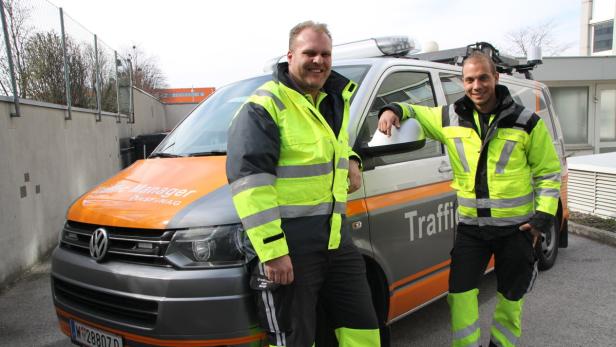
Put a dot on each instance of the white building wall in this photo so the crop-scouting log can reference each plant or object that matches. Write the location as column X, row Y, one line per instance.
column 48, row 162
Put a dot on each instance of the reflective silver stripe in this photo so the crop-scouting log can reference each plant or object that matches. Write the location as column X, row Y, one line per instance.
column 495, row 203
column 270, row 311
column 503, row 221
column 508, row 334
column 454, row 119
column 465, row 332
column 340, row 207
column 410, row 109
column 343, row 163
column 296, row 171
column 551, row 192
column 504, row 157
column 523, row 119
column 461, row 154
column 548, row 177
column 277, row 101
column 252, row 181
column 261, row 218
column 295, row 211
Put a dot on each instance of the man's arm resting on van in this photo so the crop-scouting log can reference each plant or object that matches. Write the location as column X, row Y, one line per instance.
column 545, row 167
column 430, row 118
column 253, row 150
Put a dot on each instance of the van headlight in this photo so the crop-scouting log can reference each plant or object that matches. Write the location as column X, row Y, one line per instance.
column 206, row 247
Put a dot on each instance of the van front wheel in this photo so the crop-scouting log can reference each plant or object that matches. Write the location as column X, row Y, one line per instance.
column 547, row 249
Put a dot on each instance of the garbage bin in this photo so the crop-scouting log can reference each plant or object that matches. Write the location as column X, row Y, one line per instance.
column 143, row 145
column 127, row 152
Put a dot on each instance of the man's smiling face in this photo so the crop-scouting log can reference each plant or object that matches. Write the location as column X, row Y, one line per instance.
column 310, row 60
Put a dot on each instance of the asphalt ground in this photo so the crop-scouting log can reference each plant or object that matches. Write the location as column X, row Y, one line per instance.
column 573, row 304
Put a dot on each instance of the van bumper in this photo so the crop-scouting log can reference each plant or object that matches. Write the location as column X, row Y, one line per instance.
column 155, row 306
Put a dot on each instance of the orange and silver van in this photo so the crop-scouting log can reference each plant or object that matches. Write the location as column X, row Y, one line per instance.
column 154, row 256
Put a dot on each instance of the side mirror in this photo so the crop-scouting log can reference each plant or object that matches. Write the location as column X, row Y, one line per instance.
column 409, row 137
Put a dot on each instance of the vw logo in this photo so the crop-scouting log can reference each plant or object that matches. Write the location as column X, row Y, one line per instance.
column 99, row 241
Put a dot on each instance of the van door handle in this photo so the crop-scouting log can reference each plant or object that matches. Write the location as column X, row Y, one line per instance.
column 444, row 169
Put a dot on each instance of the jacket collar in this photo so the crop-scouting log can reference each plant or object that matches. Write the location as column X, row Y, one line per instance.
column 504, row 104
column 334, row 84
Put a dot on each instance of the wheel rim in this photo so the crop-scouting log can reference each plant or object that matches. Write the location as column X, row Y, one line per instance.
column 548, row 242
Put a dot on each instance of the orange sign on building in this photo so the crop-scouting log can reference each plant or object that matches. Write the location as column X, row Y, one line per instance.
column 184, row 95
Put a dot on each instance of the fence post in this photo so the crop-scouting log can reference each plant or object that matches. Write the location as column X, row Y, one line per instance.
column 117, row 83
column 131, row 111
column 9, row 56
column 67, row 81
column 98, row 81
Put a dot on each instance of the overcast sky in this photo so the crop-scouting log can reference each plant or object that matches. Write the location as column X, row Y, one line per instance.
column 212, row 43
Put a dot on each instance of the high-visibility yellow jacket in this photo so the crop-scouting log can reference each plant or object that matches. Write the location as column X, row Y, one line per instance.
column 502, row 177
column 287, row 167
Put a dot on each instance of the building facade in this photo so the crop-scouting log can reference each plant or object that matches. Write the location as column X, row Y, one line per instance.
column 597, row 27
column 583, row 91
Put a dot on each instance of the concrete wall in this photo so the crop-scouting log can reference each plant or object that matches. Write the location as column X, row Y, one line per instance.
column 47, row 162
column 175, row 113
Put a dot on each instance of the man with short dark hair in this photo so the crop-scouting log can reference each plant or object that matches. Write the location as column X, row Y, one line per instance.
column 507, row 177
column 290, row 167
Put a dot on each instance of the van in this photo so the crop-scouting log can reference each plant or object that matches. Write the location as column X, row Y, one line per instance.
column 153, row 256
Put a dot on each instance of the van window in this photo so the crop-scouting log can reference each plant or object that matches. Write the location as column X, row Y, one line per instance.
column 534, row 100
column 404, row 86
column 204, row 131
column 453, row 87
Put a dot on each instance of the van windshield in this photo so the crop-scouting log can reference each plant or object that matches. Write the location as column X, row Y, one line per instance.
column 204, row 131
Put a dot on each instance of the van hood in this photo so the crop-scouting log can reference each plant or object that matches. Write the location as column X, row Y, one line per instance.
column 161, row 193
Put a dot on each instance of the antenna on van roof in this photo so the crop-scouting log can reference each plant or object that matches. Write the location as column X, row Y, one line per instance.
column 504, row 63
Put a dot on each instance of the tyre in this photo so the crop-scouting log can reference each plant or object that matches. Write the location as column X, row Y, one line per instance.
column 547, row 249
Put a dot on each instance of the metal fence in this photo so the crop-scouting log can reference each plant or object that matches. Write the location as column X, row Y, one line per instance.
column 48, row 56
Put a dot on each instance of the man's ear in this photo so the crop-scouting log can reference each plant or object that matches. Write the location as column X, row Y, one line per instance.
column 289, row 56
column 496, row 76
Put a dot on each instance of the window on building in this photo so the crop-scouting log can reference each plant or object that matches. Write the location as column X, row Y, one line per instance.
column 603, row 36
column 607, row 114
column 571, row 105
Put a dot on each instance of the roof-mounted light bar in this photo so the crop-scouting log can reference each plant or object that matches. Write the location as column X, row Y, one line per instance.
column 395, row 46
column 374, row 47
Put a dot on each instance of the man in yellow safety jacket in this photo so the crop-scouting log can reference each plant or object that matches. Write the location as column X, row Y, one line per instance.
column 290, row 166
column 507, row 178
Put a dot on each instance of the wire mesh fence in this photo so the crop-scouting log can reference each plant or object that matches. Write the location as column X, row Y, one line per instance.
column 46, row 55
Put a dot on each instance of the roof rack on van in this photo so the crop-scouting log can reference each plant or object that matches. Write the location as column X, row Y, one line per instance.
column 504, row 64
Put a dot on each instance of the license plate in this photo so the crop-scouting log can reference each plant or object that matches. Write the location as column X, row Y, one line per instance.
column 93, row 337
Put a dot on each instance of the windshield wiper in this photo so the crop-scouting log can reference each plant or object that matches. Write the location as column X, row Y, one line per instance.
column 205, row 154
column 164, row 155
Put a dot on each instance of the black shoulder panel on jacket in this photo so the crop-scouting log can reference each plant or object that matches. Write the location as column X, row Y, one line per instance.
column 253, row 144
column 512, row 121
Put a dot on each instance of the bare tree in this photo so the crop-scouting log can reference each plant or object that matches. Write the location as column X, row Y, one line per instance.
column 17, row 15
column 147, row 75
column 519, row 42
column 44, row 65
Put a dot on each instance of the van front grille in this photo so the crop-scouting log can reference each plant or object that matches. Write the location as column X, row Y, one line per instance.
column 129, row 310
column 142, row 246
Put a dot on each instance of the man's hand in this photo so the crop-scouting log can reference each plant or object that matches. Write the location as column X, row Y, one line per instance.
column 279, row 270
column 387, row 119
column 354, row 176
column 533, row 231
